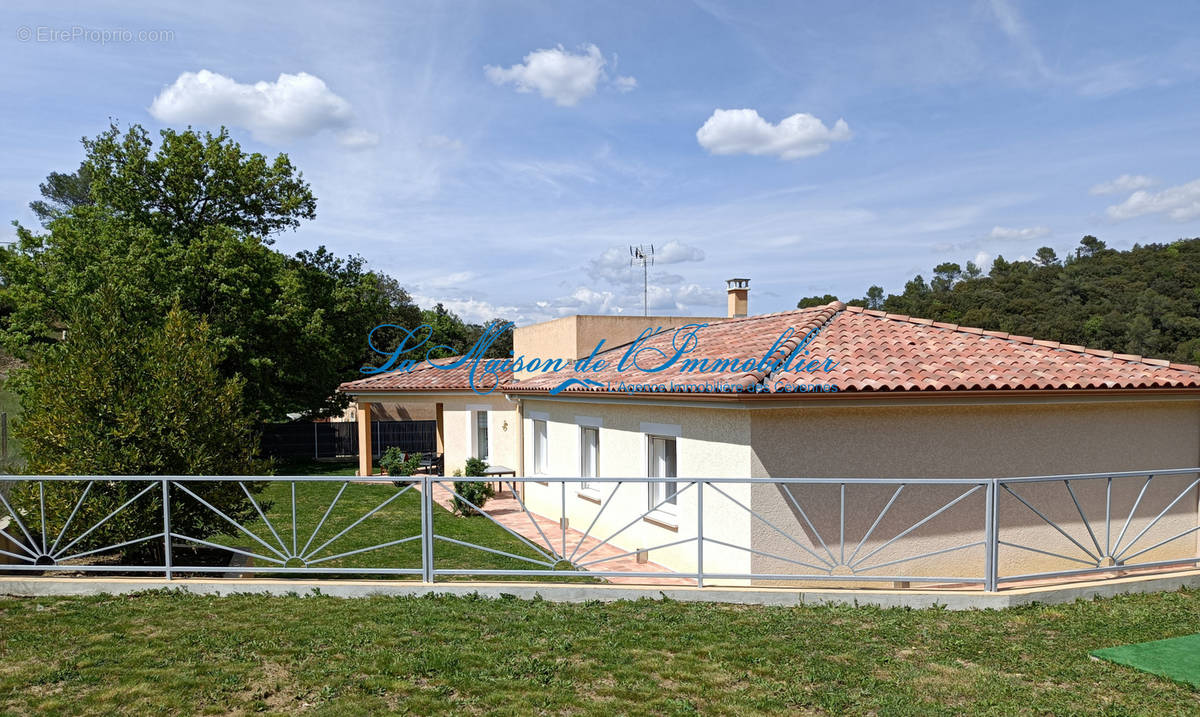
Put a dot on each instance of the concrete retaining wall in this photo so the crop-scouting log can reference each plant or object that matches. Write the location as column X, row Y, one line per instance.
column 566, row 592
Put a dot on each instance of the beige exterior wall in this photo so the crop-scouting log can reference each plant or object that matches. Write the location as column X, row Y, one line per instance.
column 574, row 337
column 972, row 441
column 459, row 415
column 709, row 443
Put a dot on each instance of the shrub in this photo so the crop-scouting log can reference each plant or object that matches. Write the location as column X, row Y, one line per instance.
column 398, row 463
column 123, row 398
column 475, row 491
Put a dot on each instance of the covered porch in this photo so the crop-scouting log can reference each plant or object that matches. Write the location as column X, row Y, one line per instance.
column 371, row 416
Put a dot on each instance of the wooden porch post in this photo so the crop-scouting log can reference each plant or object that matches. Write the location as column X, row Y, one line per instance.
column 365, row 468
column 440, row 430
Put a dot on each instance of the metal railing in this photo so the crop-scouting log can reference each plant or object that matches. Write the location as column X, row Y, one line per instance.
column 982, row 533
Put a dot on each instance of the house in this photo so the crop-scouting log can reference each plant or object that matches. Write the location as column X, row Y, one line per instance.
column 825, row 392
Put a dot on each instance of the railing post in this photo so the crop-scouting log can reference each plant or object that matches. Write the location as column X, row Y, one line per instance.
column 699, row 533
column 991, row 540
column 427, row 528
column 166, row 501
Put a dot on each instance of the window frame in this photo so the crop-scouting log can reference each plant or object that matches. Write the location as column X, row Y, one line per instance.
column 666, row 514
column 589, row 490
column 541, row 447
column 473, row 411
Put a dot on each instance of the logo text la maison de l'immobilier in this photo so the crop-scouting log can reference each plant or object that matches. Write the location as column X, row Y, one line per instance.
column 638, row 358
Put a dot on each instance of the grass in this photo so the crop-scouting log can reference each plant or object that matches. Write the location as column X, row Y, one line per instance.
column 315, row 468
column 183, row 654
column 397, row 520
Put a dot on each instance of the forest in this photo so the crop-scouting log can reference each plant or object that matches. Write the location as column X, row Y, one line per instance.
column 1144, row 300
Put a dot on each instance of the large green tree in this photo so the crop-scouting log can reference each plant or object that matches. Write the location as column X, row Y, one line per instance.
column 192, row 182
column 190, row 223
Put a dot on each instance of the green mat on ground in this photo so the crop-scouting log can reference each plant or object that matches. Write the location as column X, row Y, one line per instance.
column 1177, row 658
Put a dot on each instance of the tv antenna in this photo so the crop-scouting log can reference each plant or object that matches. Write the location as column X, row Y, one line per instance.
column 643, row 255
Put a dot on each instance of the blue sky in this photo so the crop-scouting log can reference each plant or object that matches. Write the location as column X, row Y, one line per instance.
column 501, row 157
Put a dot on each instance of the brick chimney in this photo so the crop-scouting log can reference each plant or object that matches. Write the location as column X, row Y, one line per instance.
column 739, row 297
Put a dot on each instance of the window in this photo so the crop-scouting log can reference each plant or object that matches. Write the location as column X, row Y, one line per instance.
column 589, row 455
column 661, row 459
column 481, row 435
column 539, row 447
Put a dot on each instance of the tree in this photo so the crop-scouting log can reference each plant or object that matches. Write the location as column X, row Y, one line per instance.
column 1045, row 256
column 450, row 330
column 1089, row 246
column 812, row 301
column 1140, row 301
column 293, row 327
column 945, row 275
column 875, row 297
column 117, row 398
column 194, row 182
column 62, row 192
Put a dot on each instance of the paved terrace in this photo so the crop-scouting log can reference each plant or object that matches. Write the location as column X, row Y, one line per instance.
column 507, row 511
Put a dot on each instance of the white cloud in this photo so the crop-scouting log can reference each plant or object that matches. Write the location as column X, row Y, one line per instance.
column 291, row 107
column 1123, row 183
column 1010, row 233
column 559, row 75
column 675, row 252
column 357, row 138
column 617, row 285
column 1180, row 203
column 614, row 264
column 442, row 142
column 684, row 299
column 1013, row 25
column 589, row 301
column 983, row 260
column 444, row 281
column 471, row 310
column 745, row 132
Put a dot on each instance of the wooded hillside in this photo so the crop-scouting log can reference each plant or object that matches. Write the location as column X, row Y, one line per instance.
column 1145, row 300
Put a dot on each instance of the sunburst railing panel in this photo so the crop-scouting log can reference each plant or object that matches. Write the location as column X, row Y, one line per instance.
column 956, row 533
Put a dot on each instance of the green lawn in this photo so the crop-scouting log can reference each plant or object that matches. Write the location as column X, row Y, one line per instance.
column 171, row 653
column 399, row 519
column 316, row 468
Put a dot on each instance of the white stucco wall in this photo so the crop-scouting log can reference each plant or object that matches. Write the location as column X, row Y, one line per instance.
column 459, row 436
column 709, row 443
column 883, row 440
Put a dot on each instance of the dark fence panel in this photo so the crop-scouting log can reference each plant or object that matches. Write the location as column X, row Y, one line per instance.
column 339, row 439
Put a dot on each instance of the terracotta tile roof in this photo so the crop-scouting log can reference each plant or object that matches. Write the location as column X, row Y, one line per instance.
column 735, row 339
column 427, row 378
column 887, row 352
column 872, row 351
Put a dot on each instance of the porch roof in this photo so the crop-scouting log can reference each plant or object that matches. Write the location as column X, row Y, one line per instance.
column 428, row 379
